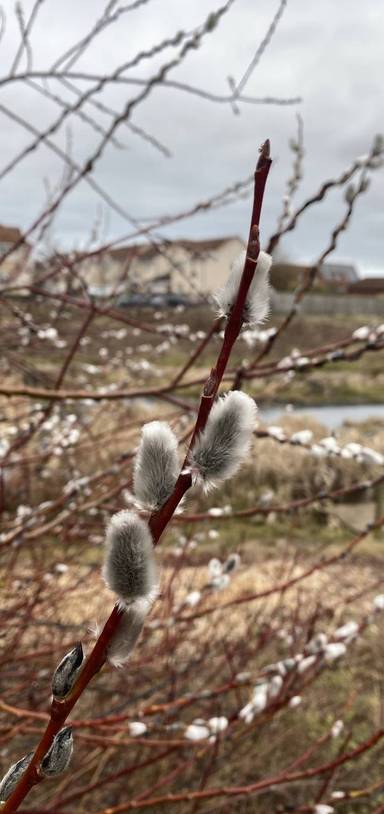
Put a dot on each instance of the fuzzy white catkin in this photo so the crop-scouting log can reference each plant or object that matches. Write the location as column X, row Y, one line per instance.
column 129, row 568
column 156, row 465
column 317, row 643
column 334, row 651
column 12, row 777
column 196, row 732
column 218, row 724
column 274, row 686
column 257, row 703
column 302, row 437
column 224, row 444
column 347, row 632
column 137, row 728
column 122, row 643
column 305, row 664
column 378, row 602
column 215, row 567
column 192, row 599
column 337, row 729
column 257, row 303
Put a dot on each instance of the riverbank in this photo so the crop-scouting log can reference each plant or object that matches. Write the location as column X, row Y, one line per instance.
column 331, row 416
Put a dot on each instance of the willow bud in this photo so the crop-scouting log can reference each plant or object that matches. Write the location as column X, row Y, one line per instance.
column 67, row 671
column 13, row 775
column 59, row 755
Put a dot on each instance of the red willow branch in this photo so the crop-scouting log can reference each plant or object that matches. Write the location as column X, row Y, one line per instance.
column 315, row 358
column 253, row 788
column 158, row 522
column 319, row 498
column 340, row 227
column 285, row 508
column 239, row 86
column 155, row 80
column 59, row 380
column 326, row 187
column 126, row 772
column 215, row 328
column 223, row 198
column 321, row 565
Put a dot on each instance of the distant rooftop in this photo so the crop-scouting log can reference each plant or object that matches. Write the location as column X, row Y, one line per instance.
column 339, row 272
column 9, row 234
column 368, row 285
column 372, row 272
column 147, row 251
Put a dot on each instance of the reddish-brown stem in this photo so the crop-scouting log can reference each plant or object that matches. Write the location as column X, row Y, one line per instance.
column 158, row 521
column 253, row 788
column 215, row 327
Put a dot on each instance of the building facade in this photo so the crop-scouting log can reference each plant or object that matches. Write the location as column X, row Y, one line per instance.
column 14, row 268
column 194, row 269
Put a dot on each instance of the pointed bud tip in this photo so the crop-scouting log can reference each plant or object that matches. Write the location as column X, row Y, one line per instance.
column 66, row 672
column 66, row 732
column 265, row 149
column 264, row 159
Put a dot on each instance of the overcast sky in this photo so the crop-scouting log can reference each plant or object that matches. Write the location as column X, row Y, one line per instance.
column 330, row 53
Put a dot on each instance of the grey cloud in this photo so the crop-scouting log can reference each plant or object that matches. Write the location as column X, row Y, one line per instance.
column 329, row 53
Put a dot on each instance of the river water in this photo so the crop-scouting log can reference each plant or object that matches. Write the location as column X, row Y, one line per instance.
column 331, row 416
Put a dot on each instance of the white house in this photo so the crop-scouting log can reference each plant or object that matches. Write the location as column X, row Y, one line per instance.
column 194, row 268
column 14, row 269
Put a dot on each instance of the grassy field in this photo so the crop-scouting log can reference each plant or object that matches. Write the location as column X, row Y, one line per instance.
column 273, row 546
column 115, row 358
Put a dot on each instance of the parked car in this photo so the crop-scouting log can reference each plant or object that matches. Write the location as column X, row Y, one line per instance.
column 152, row 300
column 133, row 300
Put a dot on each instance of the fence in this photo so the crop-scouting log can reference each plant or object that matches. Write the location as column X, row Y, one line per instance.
column 320, row 304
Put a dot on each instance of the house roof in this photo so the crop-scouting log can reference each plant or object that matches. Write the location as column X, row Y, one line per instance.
column 146, row 251
column 367, row 285
column 9, row 234
column 339, row 272
column 204, row 245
